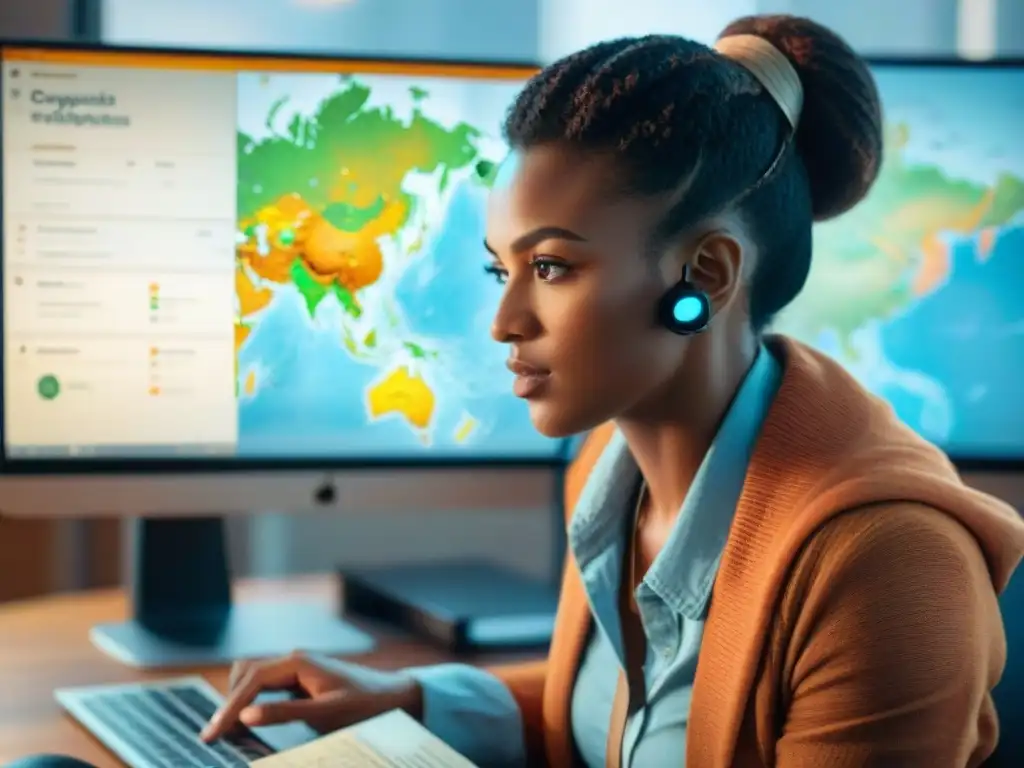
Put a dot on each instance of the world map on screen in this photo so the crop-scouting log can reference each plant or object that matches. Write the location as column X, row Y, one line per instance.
column 363, row 311
column 362, row 304
column 919, row 290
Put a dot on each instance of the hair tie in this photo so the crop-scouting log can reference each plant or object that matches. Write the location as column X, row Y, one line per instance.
column 772, row 69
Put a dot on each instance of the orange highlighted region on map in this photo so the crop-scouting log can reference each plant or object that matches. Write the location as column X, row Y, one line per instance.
column 938, row 218
column 935, row 265
column 402, row 393
column 273, row 238
column 251, row 299
column 289, row 235
column 986, row 242
column 242, row 332
column 353, row 259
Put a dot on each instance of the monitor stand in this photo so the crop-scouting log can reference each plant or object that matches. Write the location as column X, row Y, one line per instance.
column 183, row 615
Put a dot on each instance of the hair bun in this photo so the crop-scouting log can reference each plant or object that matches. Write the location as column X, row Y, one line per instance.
column 839, row 136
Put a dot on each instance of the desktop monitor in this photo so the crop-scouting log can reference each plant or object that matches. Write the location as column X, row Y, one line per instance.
column 222, row 264
column 251, row 283
column 919, row 290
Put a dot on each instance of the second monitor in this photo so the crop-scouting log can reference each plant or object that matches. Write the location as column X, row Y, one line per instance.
column 232, row 283
column 239, row 258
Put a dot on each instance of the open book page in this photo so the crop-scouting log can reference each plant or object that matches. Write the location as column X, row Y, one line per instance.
column 391, row 740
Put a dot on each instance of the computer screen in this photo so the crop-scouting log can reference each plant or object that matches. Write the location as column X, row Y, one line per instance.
column 229, row 258
column 239, row 257
column 919, row 290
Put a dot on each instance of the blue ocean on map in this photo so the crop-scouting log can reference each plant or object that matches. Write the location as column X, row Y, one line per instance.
column 950, row 363
column 967, row 338
column 949, row 357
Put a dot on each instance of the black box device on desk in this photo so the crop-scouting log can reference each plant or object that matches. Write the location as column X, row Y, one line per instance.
column 464, row 605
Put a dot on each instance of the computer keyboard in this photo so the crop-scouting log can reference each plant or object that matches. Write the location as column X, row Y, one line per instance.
column 157, row 725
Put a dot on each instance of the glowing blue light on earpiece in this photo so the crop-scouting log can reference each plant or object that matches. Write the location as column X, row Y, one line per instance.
column 688, row 309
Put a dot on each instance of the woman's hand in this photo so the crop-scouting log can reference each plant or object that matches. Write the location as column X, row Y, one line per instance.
column 332, row 694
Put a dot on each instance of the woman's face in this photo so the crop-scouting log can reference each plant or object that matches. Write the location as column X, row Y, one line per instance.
column 580, row 291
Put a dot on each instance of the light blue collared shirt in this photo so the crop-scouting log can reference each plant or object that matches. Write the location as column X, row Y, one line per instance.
column 475, row 713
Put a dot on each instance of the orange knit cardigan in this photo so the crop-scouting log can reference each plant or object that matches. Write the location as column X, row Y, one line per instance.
column 854, row 620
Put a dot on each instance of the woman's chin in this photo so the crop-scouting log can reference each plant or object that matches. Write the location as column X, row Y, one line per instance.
column 556, row 422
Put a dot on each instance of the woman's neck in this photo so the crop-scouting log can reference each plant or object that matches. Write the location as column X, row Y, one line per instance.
column 670, row 434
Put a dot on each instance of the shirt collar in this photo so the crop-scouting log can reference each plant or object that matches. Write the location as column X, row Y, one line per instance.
column 683, row 573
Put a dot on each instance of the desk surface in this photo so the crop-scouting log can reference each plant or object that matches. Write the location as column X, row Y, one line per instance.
column 44, row 644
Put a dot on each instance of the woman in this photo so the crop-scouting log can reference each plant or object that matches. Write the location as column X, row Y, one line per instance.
column 767, row 568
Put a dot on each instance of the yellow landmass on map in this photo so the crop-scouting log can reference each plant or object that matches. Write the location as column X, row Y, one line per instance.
column 466, row 427
column 242, row 332
column 251, row 299
column 402, row 393
column 417, row 245
column 249, row 387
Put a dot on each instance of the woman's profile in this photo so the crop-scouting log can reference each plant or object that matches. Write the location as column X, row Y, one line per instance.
column 766, row 567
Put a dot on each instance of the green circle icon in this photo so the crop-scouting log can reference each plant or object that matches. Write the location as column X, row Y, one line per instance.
column 48, row 387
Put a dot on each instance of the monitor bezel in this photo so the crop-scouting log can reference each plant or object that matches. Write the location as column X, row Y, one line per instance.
column 944, row 62
column 201, row 465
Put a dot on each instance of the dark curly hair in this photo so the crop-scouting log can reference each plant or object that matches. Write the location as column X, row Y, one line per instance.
column 675, row 112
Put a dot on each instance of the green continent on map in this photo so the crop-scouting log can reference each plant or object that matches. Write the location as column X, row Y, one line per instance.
column 889, row 251
column 486, row 172
column 316, row 201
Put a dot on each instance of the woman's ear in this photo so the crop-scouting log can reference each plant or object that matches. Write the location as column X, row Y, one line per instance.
column 716, row 267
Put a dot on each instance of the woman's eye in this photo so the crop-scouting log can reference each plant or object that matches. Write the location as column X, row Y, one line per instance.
column 498, row 273
column 548, row 270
